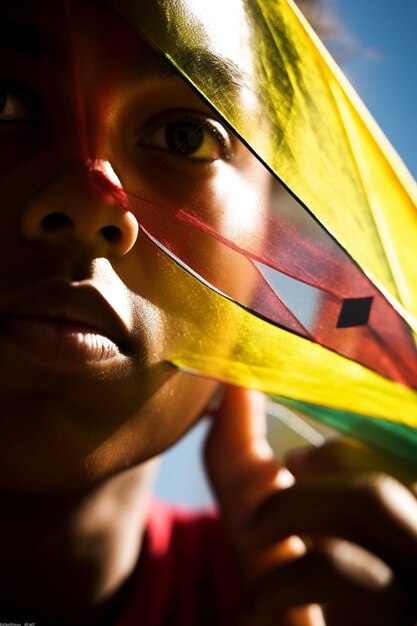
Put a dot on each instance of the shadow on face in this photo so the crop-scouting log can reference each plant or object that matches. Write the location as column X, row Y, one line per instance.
column 106, row 154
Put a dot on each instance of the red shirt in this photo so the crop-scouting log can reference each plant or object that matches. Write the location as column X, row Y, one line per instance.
column 186, row 574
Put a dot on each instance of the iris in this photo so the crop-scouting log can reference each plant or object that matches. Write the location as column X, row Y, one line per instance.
column 183, row 137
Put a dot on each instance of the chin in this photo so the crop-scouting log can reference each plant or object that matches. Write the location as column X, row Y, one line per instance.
column 51, row 447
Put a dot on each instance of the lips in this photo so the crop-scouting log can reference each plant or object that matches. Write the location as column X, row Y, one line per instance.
column 65, row 326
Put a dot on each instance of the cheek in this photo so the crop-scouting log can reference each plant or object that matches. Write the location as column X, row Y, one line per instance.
column 16, row 148
column 233, row 222
column 24, row 168
column 208, row 228
column 242, row 198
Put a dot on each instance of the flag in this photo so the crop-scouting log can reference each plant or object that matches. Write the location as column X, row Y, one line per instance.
column 310, row 294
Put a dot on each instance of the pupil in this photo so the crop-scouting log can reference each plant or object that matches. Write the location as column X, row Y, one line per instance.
column 184, row 137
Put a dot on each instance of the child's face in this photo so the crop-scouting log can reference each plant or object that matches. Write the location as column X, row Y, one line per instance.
column 85, row 386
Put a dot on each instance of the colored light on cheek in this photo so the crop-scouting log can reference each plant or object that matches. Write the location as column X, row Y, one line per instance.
column 104, row 181
column 105, row 168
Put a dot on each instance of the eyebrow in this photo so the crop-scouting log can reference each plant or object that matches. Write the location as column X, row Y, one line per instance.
column 219, row 73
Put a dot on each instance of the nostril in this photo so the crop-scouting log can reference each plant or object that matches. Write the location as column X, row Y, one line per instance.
column 56, row 221
column 112, row 234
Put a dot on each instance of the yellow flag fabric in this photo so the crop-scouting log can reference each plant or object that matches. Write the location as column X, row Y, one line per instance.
column 263, row 70
column 239, row 348
column 318, row 139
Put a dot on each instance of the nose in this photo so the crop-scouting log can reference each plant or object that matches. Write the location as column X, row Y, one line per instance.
column 83, row 205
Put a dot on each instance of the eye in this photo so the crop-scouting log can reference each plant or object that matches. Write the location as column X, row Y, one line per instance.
column 12, row 109
column 189, row 135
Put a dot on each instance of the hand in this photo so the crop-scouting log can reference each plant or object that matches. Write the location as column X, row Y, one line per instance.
column 373, row 561
column 243, row 472
column 361, row 528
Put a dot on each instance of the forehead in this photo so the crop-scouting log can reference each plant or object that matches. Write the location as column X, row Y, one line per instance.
column 61, row 32
column 213, row 44
column 224, row 27
column 105, row 41
column 187, row 23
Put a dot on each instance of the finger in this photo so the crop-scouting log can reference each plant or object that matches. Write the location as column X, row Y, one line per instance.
column 310, row 615
column 374, row 511
column 243, row 471
column 344, row 577
column 240, row 463
column 344, row 455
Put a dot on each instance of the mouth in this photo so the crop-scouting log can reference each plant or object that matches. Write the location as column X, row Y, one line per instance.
column 65, row 327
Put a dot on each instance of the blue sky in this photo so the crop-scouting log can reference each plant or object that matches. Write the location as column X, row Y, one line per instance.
column 384, row 68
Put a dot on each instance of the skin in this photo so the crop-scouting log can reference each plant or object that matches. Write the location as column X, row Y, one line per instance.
column 52, row 162
column 78, row 437
column 358, row 524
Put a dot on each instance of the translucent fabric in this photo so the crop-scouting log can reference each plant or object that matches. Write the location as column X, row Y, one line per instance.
column 282, row 93
column 330, row 318
column 300, row 281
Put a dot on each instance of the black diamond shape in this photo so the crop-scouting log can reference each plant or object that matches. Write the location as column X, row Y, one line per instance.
column 354, row 312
